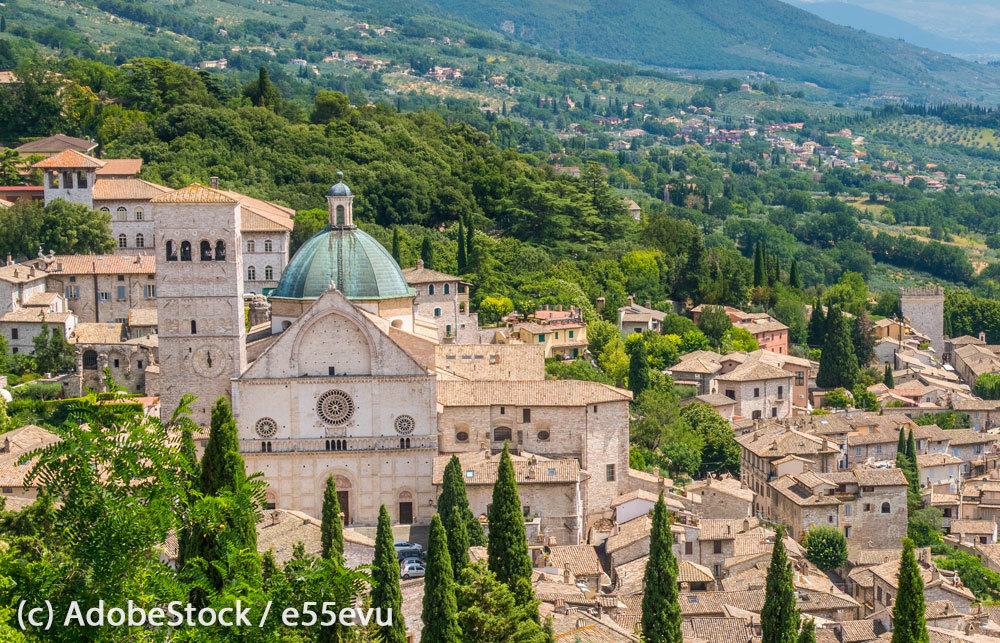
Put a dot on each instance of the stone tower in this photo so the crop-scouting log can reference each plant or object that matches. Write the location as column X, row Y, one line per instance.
column 924, row 307
column 199, row 297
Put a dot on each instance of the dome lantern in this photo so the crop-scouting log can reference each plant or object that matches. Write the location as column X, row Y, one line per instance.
column 340, row 204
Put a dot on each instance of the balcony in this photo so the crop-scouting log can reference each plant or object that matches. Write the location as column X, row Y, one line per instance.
column 337, row 445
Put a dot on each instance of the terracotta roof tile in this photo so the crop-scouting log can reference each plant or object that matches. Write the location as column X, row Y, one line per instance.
column 195, row 193
column 15, row 444
column 528, row 393
column 528, row 469
column 580, row 560
column 98, row 333
column 19, row 274
column 69, row 159
column 35, row 315
column 57, row 142
column 142, row 317
column 102, row 265
column 417, row 275
column 120, row 167
column 126, row 189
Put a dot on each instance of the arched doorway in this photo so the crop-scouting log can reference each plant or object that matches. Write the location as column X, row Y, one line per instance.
column 344, row 497
column 405, row 508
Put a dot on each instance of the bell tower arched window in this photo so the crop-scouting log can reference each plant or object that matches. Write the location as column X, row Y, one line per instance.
column 194, row 327
column 171, row 251
column 206, row 250
column 340, row 215
column 185, row 251
column 220, row 250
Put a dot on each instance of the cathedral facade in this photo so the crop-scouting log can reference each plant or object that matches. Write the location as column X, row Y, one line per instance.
column 353, row 383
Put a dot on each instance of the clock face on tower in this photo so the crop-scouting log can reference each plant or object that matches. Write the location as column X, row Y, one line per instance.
column 209, row 360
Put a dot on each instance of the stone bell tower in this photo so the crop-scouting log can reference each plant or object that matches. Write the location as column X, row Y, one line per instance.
column 199, row 297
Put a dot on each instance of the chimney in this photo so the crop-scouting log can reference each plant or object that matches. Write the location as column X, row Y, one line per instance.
column 567, row 577
column 649, row 304
column 600, row 304
column 631, row 299
column 58, row 266
column 31, row 271
column 215, row 182
column 420, row 263
column 982, row 334
column 9, row 261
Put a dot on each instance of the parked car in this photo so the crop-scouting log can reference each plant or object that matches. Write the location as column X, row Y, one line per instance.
column 403, row 554
column 412, row 570
column 412, row 560
column 406, row 544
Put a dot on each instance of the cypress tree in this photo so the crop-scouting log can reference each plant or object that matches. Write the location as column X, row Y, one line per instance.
column 395, row 247
column 189, row 452
column 427, row 253
column 808, row 632
column 887, row 377
column 794, row 281
column 914, row 477
column 661, row 610
column 901, row 445
column 863, row 338
column 638, row 369
column 838, row 364
column 386, row 594
column 440, row 609
column 222, row 438
column 458, row 543
column 331, row 535
column 452, row 498
column 3, row 24
column 908, row 613
column 507, row 545
column 911, row 448
column 470, row 233
column 462, row 256
column 779, row 617
column 817, row 326
column 759, row 275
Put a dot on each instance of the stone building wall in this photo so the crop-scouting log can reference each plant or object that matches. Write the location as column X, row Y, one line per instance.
column 555, row 505
column 202, row 337
column 104, row 297
column 924, row 307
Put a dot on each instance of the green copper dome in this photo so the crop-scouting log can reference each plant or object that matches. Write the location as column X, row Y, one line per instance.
column 369, row 271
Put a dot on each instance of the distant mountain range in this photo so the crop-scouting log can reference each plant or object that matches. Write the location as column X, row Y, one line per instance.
column 734, row 36
column 882, row 24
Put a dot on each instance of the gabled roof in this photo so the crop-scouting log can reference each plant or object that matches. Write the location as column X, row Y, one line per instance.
column 420, row 275
column 754, row 370
column 126, row 189
column 195, row 193
column 57, row 143
column 69, row 160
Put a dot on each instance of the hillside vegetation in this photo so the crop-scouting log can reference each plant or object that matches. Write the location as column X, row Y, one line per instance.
column 760, row 35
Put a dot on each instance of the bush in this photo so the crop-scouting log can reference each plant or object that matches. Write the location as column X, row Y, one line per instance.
column 38, row 391
column 826, row 547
